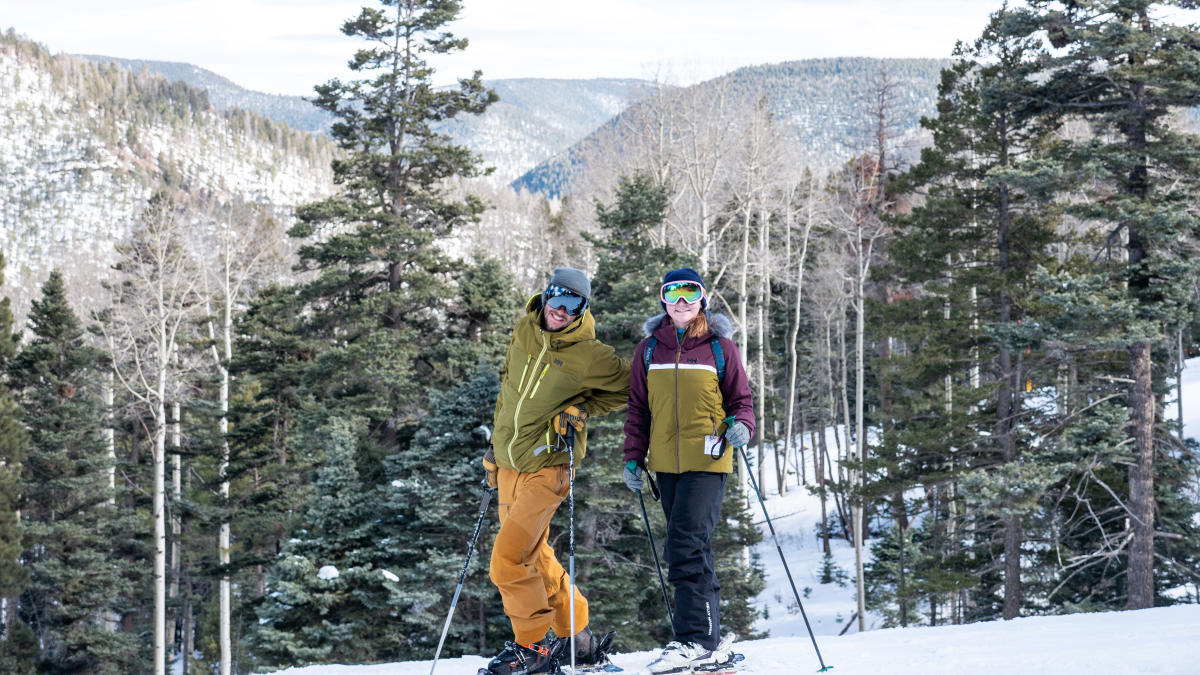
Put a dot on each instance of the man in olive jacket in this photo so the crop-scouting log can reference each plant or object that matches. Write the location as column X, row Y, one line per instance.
column 556, row 374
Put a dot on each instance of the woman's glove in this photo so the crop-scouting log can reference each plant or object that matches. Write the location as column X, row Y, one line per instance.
column 633, row 475
column 737, row 435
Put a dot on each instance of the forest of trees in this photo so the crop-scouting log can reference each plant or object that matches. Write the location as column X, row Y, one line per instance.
column 251, row 474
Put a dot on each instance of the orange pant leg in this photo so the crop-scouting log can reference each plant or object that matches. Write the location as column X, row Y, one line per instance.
column 532, row 583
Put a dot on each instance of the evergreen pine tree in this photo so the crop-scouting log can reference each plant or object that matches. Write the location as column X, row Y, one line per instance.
column 71, row 520
column 1123, row 69
column 17, row 648
column 965, row 258
column 382, row 287
column 325, row 577
column 433, row 492
column 380, row 305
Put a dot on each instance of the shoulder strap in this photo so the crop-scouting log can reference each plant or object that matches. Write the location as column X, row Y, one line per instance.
column 718, row 356
column 651, row 342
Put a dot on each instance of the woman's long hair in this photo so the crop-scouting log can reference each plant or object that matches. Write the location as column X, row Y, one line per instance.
column 698, row 326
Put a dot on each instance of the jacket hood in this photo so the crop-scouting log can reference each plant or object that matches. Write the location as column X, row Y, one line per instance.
column 718, row 323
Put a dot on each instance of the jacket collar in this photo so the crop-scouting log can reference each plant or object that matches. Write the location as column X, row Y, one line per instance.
column 660, row 327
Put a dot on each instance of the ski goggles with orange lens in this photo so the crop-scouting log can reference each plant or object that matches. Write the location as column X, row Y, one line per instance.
column 687, row 291
column 557, row 297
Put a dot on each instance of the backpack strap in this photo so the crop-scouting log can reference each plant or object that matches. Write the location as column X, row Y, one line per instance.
column 649, row 353
column 718, row 356
column 714, row 342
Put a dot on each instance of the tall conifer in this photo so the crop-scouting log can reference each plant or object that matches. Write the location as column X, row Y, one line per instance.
column 72, row 523
column 16, row 648
column 965, row 258
column 1123, row 69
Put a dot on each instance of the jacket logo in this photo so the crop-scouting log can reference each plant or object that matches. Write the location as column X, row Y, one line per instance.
column 693, row 361
column 558, row 363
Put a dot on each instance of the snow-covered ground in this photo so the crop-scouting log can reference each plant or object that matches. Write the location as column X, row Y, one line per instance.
column 1161, row 641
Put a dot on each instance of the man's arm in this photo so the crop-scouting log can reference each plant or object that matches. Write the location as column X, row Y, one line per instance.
column 606, row 385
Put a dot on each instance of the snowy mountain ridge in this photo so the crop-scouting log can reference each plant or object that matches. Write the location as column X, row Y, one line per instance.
column 83, row 147
column 534, row 119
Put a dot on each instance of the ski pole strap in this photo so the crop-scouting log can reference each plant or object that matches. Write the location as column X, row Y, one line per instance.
column 653, row 485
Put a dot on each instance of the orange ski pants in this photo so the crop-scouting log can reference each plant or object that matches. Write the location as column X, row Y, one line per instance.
column 532, row 583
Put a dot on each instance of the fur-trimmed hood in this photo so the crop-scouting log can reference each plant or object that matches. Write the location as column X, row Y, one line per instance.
column 718, row 323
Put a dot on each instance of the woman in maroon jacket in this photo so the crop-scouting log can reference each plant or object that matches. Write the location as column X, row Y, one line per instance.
column 689, row 403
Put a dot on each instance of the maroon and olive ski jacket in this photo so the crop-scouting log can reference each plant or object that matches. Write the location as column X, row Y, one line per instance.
column 678, row 401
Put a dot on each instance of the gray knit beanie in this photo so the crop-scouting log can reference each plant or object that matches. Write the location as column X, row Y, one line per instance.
column 573, row 280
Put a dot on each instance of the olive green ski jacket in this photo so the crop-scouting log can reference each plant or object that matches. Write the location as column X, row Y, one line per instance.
column 544, row 373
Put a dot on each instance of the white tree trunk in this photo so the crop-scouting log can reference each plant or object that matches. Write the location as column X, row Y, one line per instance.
column 160, row 516
column 177, row 494
column 223, row 543
column 859, row 442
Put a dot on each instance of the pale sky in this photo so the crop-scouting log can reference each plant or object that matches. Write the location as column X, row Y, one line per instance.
column 288, row 46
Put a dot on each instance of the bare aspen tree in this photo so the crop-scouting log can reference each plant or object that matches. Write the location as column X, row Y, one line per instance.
column 756, row 162
column 153, row 299
column 790, row 190
column 827, row 304
column 245, row 241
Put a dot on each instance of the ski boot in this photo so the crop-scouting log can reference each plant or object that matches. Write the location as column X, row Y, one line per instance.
column 531, row 659
column 591, row 654
column 691, row 658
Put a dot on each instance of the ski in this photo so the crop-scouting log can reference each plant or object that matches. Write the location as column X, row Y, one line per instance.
column 598, row 668
column 733, row 665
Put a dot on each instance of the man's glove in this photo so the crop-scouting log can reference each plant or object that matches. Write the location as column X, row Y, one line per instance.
column 737, row 435
column 490, row 468
column 573, row 415
column 633, row 475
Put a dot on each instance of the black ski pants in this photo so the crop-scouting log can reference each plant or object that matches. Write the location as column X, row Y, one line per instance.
column 692, row 504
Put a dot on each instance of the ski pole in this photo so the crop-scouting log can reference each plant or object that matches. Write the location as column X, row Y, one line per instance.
column 754, row 484
column 483, row 505
column 657, row 565
column 571, row 518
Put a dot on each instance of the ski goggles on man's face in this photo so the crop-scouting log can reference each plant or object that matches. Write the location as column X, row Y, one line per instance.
column 687, row 291
column 557, row 297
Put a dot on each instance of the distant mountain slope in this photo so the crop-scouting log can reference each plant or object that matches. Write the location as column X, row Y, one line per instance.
column 534, row 119
column 83, row 145
column 823, row 102
column 294, row 111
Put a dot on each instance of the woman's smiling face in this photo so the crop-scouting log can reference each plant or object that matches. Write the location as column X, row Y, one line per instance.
column 682, row 312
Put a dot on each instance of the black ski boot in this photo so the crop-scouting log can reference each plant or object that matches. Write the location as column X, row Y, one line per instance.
column 591, row 654
column 532, row 659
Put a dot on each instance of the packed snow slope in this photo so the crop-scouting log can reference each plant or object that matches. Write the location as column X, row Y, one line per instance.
column 1162, row 640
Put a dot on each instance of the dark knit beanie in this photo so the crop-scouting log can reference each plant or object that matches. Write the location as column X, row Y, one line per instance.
column 685, row 274
column 573, row 280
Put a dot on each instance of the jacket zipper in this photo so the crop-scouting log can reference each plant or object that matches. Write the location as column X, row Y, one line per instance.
column 521, row 398
column 678, row 355
column 521, row 382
